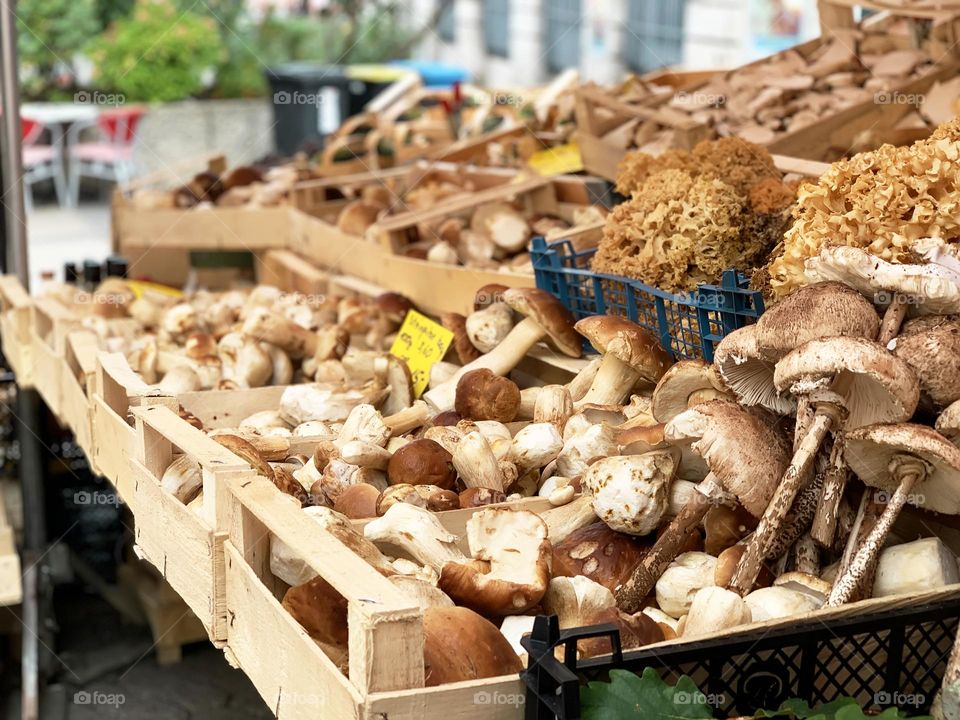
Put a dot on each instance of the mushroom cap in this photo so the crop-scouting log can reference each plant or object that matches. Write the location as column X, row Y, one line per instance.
column 457, row 324
column 948, row 424
column 928, row 322
column 635, row 631
column 811, row 585
column 600, row 553
column 394, row 305
column 358, row 502
column 482, row 395
column 870, row 450
column 514, row 563
column 549, row 313
column 630, row 491
column 246, row 451
column 827, row 309
column 680, row 383
column 320, row 609
column 628, row 342
column 932, row 288
column 882, row 387
column 200, row 345
column 357, row 216
column 478, row 497
column 242, row 175
column 934, row 355
column 488, row 295
column 422, row 462
column 743, row 448
column 742, row 369
column 459, row 644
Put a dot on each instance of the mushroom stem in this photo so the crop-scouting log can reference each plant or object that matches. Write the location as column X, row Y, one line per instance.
column 806, row 556
column 791, row 482
column 798, row 520
column 868, row 513
column 566, row 519
column 581, row 383
column 824, row 525
column 630, row 595
column 407, row 419
column 501, row 360
column 612, row 384
column 892, row 319
column 907, row 473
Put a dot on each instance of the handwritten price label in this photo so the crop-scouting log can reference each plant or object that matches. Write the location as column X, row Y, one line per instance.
column 421, row 342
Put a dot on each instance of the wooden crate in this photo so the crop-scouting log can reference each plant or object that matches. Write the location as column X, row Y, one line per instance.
column 77, row 378
column 289, row 670
column 11, row 590
column 50, row 321
column 15, row 329
column 185, row 545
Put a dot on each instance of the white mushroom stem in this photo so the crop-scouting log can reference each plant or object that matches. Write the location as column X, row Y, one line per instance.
column 581, row 383
column 408, row 419
column 630, row 595
column 566, row 519
column 416, row 533
column 824, row 525
column 612, row 384
column 907, row 472
column 893, row 319
column 553, row 405
column 476, row 463
column 793, row 478
column 500, row 361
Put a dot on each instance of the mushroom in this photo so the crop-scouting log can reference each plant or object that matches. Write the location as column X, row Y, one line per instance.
column 934, row 355
column 253, row 366
column 630, row 355
column 503, row 224
column 581, row 450
column 747, row 374
column 481, row 395
column 358, row 216
column 514, row 563
column 304, row 403
column 553, row 404
column 365, row 455
column 745, row 453
column 577, row 600
column 838, row 376
column 488, row 327
column 180, row 379
column 444, row 253
column 476, row 464
column 461, row 645
column 262, row 324
column 423, row 462
column 478, row 497
column 358, row 502
column 183, row 478
column 535, row 446
column 431, row 497
column 915, row 567
column 948, row 423
column 400, row 383
column 630, row 492
column 464, row 349
column 595, row 551
column 715, row 609
column 413, row 532
column 544, row 316
column 777, row 601
column 912, row 464
column 680, row 582
column 322, row 612
column 686, row 384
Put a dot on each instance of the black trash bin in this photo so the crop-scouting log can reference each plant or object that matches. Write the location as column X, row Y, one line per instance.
column 366, row 81
column 309, row 102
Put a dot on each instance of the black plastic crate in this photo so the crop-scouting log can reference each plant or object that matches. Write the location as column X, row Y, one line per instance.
column 688, row 325
column 882, row 658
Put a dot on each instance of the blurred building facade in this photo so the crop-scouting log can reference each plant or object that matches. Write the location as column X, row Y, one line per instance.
column 506, row 43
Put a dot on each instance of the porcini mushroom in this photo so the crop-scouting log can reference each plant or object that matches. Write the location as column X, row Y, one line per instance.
column 595, row 551
column 422, row 462
column 544, row 316
column 630, row 354
column 481, row 395
column 413, row 532
column 685, row 385
column 839, row 376
column 745, row 453
column 488, row 327
column 459, row 644
column 914, row 464
column 630, row 492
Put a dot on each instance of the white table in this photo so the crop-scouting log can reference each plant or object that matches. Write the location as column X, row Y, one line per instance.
column 57, row 117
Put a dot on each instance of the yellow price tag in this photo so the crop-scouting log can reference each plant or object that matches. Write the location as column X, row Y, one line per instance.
column 139, row 288
column 421, row 342
column 557, row 160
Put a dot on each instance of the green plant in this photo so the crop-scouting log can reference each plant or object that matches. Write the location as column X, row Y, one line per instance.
column 50, row 33
column 157, row 53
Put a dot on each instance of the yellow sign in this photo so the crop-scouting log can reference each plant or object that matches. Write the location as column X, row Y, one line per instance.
column 421, row 342
column 557, row 160
column 139, row 288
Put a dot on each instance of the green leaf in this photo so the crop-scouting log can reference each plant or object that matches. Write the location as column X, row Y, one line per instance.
column 628, row 696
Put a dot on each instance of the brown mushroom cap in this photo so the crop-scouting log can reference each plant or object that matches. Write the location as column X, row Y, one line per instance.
column 461, row 645
column 826, row 309
column 742, row 369
column 478, row 497
column 358, row 502
column 246, row 451
column 357, row 217
column 422, row 462
column 394, row 305
column 882, row 387
column 320, row 609
column 488, row 295
column 457, row 324
column 242, row 175
column 685, row 382
column 928, row 322
column 725, row 526
column 200, row 345
column 871, row 452
column 550, row 314
column 727, row 563
column 635, row 631
column 430, row 497
column 481, row 395
column 934, row 355
column 628, row 342
column 743, row 448
column 599, row 553
column 948, row 424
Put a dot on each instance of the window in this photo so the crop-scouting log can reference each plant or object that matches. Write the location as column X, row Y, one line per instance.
column 562, row 33
column 653, row 34
column 445, row 25
column 496, row 27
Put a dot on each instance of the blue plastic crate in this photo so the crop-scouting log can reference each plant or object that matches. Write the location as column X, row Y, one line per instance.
column 689, row 325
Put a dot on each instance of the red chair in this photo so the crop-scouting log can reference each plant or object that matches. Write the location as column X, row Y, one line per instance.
column 41, row 161
column 109, row 154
